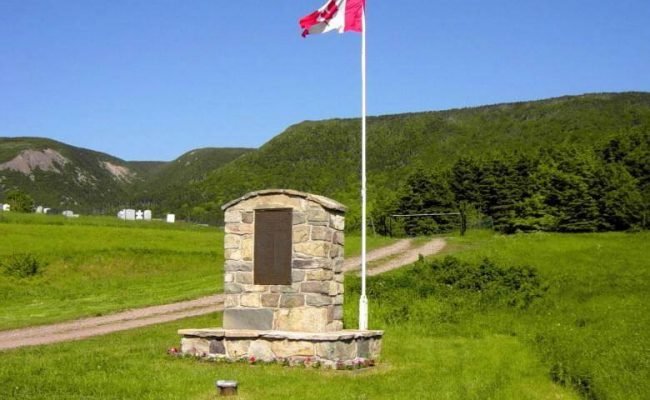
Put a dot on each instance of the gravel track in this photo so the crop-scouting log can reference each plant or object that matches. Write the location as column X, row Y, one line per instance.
column 400, row 253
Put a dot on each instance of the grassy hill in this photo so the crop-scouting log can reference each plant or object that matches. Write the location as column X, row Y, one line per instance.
column 316, row 156
column 61, row 176
column 166, row 187
column 323, row 156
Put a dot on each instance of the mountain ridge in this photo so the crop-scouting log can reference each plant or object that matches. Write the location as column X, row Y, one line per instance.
column 323, row 156
column 63, row 176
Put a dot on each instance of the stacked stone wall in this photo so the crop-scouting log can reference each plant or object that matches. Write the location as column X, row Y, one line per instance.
column 313, row 302
column 344, row 348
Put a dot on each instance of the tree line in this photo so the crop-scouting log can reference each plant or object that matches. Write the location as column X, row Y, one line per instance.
column 563, row 188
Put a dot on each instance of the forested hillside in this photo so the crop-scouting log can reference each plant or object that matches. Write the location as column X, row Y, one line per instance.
column 60, row 176
column 168, row 188
column 575, row 163
column 323, row 157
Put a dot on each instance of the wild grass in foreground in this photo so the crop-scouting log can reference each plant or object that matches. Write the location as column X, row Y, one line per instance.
column 87, row 269
column 54, row 269
column 579, row 301
column 135, row 365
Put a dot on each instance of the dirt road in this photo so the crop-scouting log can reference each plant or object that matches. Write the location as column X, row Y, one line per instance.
column 379, row 260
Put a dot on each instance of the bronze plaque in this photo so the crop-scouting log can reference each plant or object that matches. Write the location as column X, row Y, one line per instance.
column 273, row 247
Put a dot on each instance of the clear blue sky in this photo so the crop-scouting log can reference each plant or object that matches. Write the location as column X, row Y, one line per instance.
column 150, row 80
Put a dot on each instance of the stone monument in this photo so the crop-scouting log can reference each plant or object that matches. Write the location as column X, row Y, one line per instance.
column 283, row 284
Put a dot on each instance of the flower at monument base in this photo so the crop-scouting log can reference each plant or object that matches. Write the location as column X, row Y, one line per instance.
column 172, row 351
column 251, row 360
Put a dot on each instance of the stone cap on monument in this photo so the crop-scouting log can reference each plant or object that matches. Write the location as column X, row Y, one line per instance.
column 283, row 262
column 322, row 200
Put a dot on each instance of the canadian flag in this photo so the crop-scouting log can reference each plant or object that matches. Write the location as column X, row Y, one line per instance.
column 341, row 15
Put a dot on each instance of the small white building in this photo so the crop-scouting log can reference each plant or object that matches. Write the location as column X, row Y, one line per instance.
column 6, row 207
column 171, row 218
column 129, row 214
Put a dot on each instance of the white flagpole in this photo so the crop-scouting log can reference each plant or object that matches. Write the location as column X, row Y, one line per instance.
column 363, row 300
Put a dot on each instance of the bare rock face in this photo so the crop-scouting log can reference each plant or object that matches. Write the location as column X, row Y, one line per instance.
column 29, row 160
column 119, row 172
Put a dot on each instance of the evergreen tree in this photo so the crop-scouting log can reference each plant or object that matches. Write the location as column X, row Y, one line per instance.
column 619, row 199
column 465, row 178
column 633, row 152
column 427, row 193
column 19, row 201
column 569, row 177
column 500, row 192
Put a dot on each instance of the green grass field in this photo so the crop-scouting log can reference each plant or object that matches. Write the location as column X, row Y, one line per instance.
column 95, row 266
column 584, row 334
column 99, row 265
column 590, row 328
column 134, row 365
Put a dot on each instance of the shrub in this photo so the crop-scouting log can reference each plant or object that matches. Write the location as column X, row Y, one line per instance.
column 22, row 265
column 448, row 290
column 516, row 286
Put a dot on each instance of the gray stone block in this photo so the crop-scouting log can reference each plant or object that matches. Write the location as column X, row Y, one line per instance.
column 232, row 266
column 217, row 347
column 244, row 277
column 261, row 319
column 339, row 350
column 363, row 348
column 318, row 300
column 314, row 287
column 303, row 263
column 339, row 238
column 318, row 216
column 336, row 251
column 283, row 289
column 292, row 300
column 337, row 312
column 261, row 350
column 247, row 217
column 321, row 233
column 299, row 218
column 270, row 299
column 232, row 288
column 297, row 276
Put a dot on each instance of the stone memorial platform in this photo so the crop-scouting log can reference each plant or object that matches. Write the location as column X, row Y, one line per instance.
column 283, row 282
column 327, row 348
